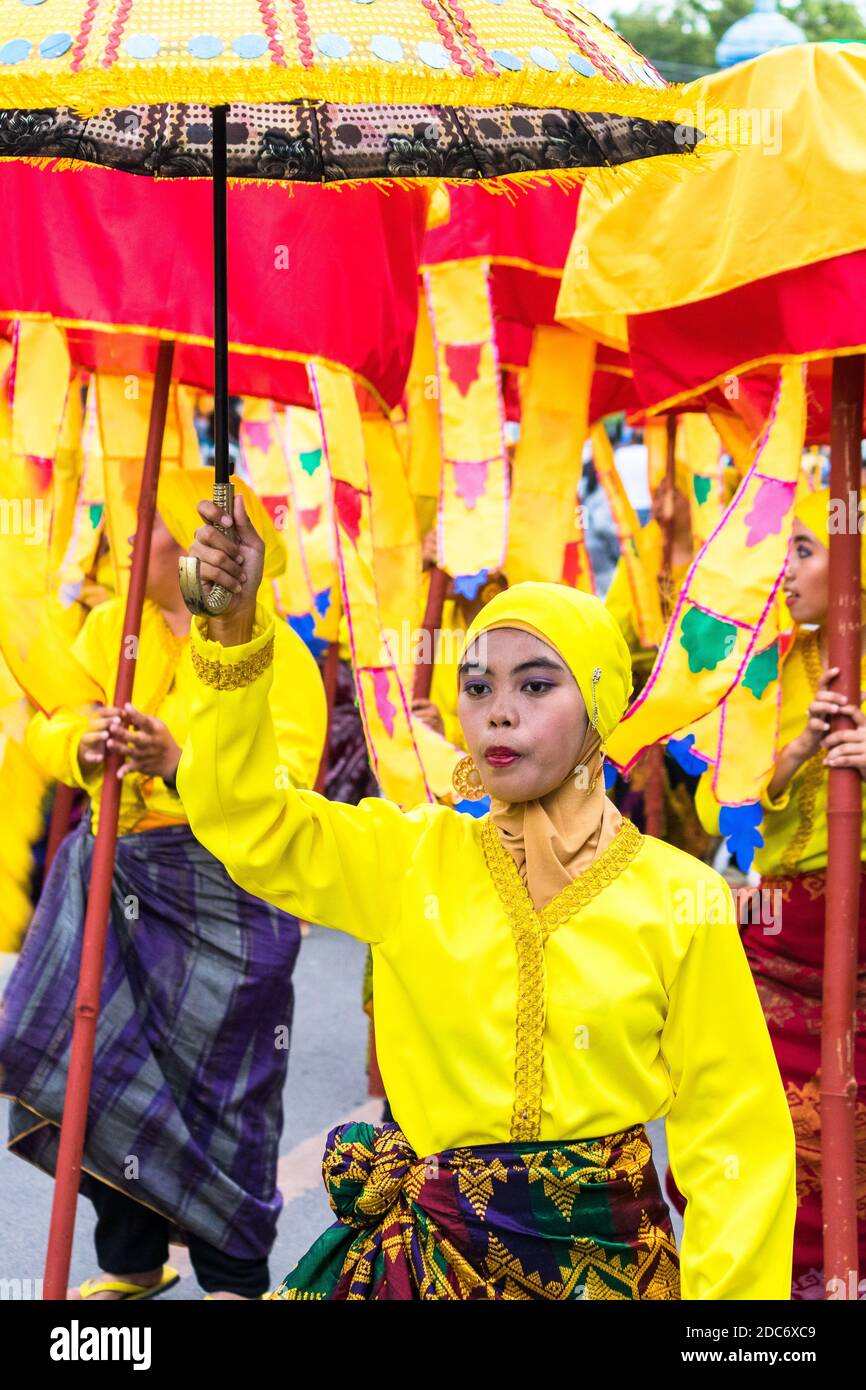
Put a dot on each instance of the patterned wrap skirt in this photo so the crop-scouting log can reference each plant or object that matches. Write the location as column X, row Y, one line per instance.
column 788, row 969
column 192, row 1042
column 580, row 1219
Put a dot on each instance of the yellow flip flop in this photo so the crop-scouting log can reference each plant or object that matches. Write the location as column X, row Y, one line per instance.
column 130, row 1292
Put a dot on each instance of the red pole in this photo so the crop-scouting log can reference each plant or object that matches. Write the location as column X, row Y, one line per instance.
column 86, row 1013
column 844, row 813
column 61, row 814
column 654, row 794
column 431, row 625
column 329, row 679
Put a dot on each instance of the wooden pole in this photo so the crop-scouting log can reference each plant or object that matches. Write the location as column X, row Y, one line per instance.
column 61, row 814
column 329, row 680
column 838, row 1094
column 86, row 1013
column 654, row 793
column 431, row 625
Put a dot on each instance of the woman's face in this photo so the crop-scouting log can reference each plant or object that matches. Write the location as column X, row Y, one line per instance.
column 165, row 552
column 521, row 712
column 806, row 576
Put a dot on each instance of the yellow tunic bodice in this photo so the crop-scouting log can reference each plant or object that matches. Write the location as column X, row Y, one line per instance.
column 794, row 827
column 164, row 686
column 626, row 999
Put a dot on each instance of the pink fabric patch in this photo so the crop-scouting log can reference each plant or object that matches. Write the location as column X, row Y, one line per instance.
column 257, row 433
column 347, row 500
column 470, row 481
column 772, row 501
column 310, row 517
column 385, row 708
column 462, row 361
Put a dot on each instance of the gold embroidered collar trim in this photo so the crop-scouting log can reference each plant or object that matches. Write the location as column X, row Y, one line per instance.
column 531, row 930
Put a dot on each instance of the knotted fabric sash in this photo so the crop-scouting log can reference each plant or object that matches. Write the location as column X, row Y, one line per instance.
column 579, row 1219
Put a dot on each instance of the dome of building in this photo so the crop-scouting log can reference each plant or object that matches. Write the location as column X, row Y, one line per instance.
column 759, row 31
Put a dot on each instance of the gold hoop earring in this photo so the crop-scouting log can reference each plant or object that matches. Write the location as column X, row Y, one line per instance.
column 466, row 780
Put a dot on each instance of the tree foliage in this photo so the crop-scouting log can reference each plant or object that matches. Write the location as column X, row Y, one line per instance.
column 687, row 31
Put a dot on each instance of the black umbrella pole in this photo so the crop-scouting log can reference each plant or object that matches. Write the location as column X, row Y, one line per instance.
column 222, row 465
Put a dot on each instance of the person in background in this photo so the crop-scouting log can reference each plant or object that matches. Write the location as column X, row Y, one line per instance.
column 783, row 931
column 193, row 1035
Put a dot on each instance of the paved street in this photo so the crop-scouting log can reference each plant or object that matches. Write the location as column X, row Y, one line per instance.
column 326, row 1084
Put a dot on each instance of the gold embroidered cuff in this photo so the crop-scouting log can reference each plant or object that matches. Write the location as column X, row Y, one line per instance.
column 224, row 675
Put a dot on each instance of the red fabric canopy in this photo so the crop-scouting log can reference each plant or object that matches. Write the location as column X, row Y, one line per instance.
column 525, row 237
column 811, row 311
column 312, row 272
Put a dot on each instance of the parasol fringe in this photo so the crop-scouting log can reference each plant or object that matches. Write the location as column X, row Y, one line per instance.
column 612, row 176
column 95, row 89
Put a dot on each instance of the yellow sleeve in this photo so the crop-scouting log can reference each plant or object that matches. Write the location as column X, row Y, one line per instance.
column 298, row 707
column 729, row 1130
column 341, row 866
column 53, row 740
column 54, row 744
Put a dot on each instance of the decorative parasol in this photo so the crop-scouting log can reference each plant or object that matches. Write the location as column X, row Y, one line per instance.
column 323, row 91
column 773, row 278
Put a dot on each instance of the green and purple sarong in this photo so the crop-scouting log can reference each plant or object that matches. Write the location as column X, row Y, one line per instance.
column 578, row 1219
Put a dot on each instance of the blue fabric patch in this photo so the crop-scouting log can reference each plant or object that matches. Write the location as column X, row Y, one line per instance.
column 610, row 775
column 250, row 45
column 55, row 45
column 680, row 750
column 15, row 51
column 333, row 45
column 506, row 59
column 543, row 58
column 323, row 601
column 304, row 624
column 467, row 585
column 581, row 65
column 739, row 825
column 142, row 46
column 205, row 46
column 386, row 47
column 435, row 55
column 473, row 808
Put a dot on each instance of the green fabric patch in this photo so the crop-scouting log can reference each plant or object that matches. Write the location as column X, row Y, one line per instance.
column 707, row 640
column 702, row 488
column 762, row 670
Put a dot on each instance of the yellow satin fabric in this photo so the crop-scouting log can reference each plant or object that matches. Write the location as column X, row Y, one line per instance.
column 804, row 95
column 164, row 687
column 648, row 1007
column 798, row 818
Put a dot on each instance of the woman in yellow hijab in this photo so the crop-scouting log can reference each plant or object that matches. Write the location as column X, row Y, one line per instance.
column 787, row 964
column 546, row 981
column 192, row 1041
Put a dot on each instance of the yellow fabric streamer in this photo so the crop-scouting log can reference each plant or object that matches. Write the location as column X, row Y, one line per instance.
column 547, row 460
column 473, row 489
column 123, row 414
column 411, row 762
column 716, row 625
column 42, row 371
column 422, row 414
column 639, row 562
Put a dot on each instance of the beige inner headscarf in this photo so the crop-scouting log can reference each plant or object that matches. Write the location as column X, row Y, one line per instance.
column 556, row 837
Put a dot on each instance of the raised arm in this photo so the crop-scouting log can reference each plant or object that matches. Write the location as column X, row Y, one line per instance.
column 730, row 1135
column 341, row 866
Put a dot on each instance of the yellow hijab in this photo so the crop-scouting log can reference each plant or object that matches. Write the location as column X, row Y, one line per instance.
column 555, row 837
column 178, row 495
column 813, row 509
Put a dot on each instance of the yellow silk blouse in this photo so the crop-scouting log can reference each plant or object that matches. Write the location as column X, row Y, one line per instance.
column 626, row 999
column 795, row 824
column 164, row 687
